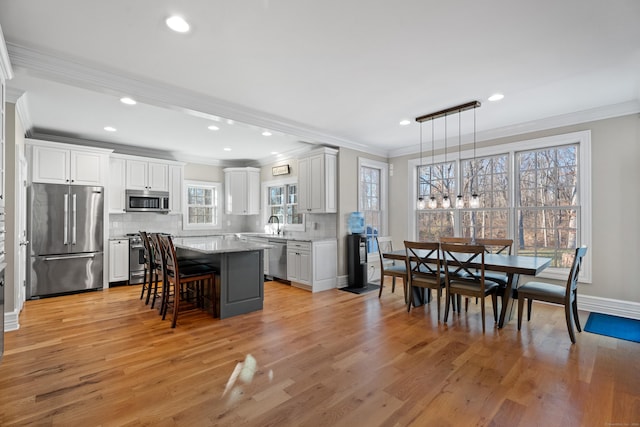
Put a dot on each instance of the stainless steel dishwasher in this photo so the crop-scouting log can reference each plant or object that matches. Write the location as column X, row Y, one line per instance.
column 278, row 259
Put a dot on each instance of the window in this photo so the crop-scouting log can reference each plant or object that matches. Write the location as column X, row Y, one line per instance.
column 372, row 196
column 201, row 205
column 282, row 202
column 536, row 192
column 548, row 208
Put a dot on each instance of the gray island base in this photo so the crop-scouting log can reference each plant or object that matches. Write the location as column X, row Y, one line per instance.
column 241, row 267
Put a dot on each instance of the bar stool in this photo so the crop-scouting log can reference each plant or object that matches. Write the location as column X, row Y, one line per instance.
column 152, row 269
column 197, row 281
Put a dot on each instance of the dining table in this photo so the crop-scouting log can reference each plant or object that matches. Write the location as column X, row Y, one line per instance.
column 512, row 265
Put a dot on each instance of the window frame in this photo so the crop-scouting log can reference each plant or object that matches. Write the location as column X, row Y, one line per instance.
column 581, row 138
column 384, row 186
column 265, row 204
column 216, row 203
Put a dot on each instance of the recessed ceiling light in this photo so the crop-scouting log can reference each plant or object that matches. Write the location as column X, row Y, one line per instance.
column 273, row 153
column 110, row 129
column 496, row 97
column 128, row 101
column 177, row 24
column 404, row 122
column 227, row 149
column 230, row 122
column 266, row 133
column 213, row 127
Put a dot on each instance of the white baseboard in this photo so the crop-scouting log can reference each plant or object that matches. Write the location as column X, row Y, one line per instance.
column 343, row 282
column 12, row 321
column 613, row 307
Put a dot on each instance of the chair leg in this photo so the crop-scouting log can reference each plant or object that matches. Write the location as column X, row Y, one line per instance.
column 447, row 303
column 568, row 316
column 410, row 299
column 576, row 318
column 520, row 308
column 177, row 296
column 529, row 304
column 494, row 301
column 144, row 284
column 482, row 310
column 438, row 295
column 393, row 284
column 381, row 286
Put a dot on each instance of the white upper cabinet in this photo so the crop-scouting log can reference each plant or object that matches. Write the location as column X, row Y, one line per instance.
column 175, row 188
column 117, row 174
column 146, row 175
column 242, row 191
column 317, row 172
column 55, row 163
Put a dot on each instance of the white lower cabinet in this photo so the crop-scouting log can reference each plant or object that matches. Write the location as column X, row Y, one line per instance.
column 312, row 265
column 118, row 260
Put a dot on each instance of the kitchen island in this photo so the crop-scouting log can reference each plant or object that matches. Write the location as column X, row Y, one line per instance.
column 241, row 267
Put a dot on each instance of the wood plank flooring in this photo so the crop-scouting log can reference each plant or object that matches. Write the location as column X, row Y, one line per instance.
column 326, row 359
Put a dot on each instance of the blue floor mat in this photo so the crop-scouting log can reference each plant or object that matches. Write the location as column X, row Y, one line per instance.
column 613, row 326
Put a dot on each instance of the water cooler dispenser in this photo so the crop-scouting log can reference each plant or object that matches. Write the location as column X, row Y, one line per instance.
column 357, row 260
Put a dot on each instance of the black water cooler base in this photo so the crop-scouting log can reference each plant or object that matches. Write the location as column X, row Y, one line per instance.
column 361, row 289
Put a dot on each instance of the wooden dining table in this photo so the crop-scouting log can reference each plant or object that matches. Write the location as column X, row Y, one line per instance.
column 512, row 265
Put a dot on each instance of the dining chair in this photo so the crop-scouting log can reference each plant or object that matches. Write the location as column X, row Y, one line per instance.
column 456, row 240
column 499, row 247
column 194, row 283
column 469, row 281
column 556, row 294
column 424, row 269
column 389, row 267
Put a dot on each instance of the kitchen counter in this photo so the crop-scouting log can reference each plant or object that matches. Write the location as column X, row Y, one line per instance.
column 284, row 238
column 216, row 245
column 240, row 266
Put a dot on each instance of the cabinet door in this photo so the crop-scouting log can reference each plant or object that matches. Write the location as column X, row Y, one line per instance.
column 51, row 165
column 158, row 177
column 316, row 183
column 117, row 173
column 118, row 260
column 304, row 267
column 303, row 185
column 236, row 189
column 175, row 189
column 253, row 193
column 137, row 174
column 86, row 168
column 292, row 264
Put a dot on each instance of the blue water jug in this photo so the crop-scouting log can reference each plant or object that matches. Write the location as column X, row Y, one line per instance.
column 356, row 223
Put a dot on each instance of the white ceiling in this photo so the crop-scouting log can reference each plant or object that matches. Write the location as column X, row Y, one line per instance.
column 334, row 72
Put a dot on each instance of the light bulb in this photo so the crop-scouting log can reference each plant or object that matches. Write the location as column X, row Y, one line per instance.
column 459, row 202
column 433, row 203
column 421, row 203
column 446, row 203
column 475, row 201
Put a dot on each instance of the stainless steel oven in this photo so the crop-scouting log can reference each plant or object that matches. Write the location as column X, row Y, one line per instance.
column 136, row 259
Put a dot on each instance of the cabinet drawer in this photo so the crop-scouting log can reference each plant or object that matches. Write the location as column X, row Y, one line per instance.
column 299, row 246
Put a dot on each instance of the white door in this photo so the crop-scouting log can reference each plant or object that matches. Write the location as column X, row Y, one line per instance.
column 20, row 293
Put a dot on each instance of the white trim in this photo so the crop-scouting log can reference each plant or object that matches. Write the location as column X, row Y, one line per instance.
column 384, row 189
column 5, row 63
column 12, row 321
column 218, row 203
column 265, row 192
column 613, row 307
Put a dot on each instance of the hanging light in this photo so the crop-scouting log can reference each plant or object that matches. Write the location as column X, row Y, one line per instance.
column 446, row 203
column 432, row 199
column 475, row 200
column 421, row 202
column 459, row 199
column 458, row 109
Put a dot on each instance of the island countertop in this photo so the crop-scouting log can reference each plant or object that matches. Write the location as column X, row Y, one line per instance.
column 217, row 245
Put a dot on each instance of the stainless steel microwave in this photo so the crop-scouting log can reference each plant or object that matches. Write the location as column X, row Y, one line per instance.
column 147, row 201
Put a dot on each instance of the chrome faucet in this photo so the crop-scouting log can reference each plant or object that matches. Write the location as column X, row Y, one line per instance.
column 277, row 221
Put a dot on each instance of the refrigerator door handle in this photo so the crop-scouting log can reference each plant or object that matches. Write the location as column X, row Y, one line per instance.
column 57, row 258
column 75, row 220
column 66, row 219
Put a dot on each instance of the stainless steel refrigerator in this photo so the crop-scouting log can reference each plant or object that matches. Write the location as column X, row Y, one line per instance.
column 65, row 227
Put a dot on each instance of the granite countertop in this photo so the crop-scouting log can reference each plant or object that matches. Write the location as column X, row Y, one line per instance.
column 216, row 245
column 285, row 238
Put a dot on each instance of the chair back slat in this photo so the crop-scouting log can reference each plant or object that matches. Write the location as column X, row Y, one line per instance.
column 170, row 257
column 572, row 282
column 456, row 240
column 496, row 246
column 460, row 258
column 423, row 259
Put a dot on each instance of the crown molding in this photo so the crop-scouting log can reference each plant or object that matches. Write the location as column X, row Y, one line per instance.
column 5, row 63
column 570, row 119
column 22, row 109
column 100, row 78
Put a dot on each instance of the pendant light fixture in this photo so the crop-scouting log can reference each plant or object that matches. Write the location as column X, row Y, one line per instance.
column 421, row 204
column 459, row 199
column 474, row 202
column 446, row 203
column 432, row 199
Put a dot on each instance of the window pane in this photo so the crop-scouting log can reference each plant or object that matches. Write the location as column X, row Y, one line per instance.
column 433, row 224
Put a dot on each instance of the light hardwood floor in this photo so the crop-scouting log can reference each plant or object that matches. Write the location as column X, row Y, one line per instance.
column 326, row 359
